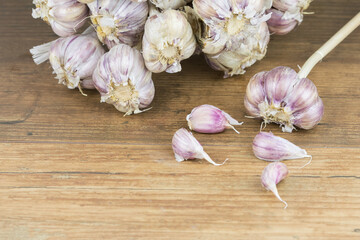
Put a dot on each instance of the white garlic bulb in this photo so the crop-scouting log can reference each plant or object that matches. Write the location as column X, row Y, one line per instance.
column 64, row 16
column 167, row 4
column 73, row 58
column 234, row 35
column 281, row 97
column 119, row 21
column 123, row 81
column 168, row 39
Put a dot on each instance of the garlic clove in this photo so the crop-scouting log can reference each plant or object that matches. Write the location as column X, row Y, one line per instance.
column 280, row 25
column 268, row 147
column 273, row 174
column 309, row 117
column 168, row 39
column 123, row 80
column 185, row 146
column 210, row 119
column 169, row 4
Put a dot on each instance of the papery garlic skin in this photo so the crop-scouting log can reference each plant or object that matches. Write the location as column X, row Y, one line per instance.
column 210, row 119
column 185, row 146
column 268, row 147
column 169, row 4
column 292, row 8
column 123, row 81
column 86, row 1
column 168, row 39
column 119, row 21
column 273, row 174
column 234, row 35
column 64, row 16
column 278, row 24
column 279, row 96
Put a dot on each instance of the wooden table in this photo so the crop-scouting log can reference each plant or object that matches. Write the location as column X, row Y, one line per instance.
column 74, row 168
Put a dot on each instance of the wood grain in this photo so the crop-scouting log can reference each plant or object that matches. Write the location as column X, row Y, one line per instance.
column 74, row 168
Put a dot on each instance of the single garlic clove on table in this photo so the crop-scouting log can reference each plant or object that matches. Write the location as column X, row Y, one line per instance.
column 168, row 39
column 210, row 119
column 123, row 81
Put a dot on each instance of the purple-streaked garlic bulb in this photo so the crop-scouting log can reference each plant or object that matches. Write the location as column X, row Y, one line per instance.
column 210, row 119
column 119, row 21
column 123, row 80
column 286, row 15
column 64, row 16
column 169, row 4
column 273, row 174
column 281, row 97
column 186, row 147
column 278, row 24
column 234, row 34
column 168, row 39
column 73, row 59
column 268, row 147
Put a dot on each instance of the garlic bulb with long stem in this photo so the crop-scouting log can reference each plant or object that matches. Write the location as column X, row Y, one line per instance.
column 73, row 58
column 119, row 21
column 64, row 16
column 123, row 81
column 168, row 39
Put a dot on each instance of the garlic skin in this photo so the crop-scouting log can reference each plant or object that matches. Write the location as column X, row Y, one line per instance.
column 268, row 147
column 278, row 24
column 123, row 81
column 168, row 39
column 169, row 4
column 86, row 1
column 73, row 58
column 185, row 146
column 234, row 33
column 281, row 97
column 119, row 21
column 273, row 174
column 64, row 16
column 210, row 119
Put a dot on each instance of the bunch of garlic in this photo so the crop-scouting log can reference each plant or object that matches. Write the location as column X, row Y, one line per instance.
column 169, row 4
column 234, row 34
column 286, row 15
column 64, row 16
column 281, row 97
column 119, row 21
column 168, row 39
column 123, row 81
column 73, row 58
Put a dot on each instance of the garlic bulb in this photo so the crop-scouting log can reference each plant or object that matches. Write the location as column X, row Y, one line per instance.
column 235, row 34
column 281, row 97
column 123, row 81
column 119, row 21
column 168, row 39
column 268, row 147
column 278, row 24
column 64, row 16
column 273, row 174
column 186, row 147
column 73, row 58
column 167, row 4
column 210, row 119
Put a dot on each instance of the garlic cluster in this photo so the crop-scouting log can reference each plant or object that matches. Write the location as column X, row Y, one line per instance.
column 210, row 119
column 268, row 147
column 64, row 16
column 273, row 174
column 281, row 97
column 119, row 21
column 168, row 39
column 169, row 4
column 123, row 81
column 185, row 146
column 73, row 58
column 234, row 34
column 286, row 15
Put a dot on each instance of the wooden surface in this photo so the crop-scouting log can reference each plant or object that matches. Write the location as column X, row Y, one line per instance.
column 74, row 168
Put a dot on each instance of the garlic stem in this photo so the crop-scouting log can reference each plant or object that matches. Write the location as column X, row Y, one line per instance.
column 208, row 158
column 276, row 193
column 329, row 46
